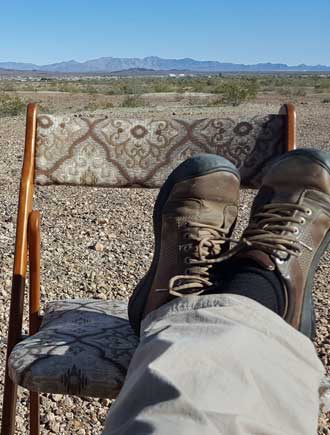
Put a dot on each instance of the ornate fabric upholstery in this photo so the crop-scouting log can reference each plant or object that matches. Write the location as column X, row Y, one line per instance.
column 83, row 348
column 101, row 151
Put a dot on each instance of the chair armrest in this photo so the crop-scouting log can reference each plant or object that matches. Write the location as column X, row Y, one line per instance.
column 291, row 134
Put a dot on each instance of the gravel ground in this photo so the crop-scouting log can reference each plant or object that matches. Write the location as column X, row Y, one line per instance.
column 73, row 220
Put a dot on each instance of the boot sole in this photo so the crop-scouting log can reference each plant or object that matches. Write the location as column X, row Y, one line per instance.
column 192, row 168
column 307, row 321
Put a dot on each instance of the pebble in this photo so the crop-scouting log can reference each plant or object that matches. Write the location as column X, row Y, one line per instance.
column 99, row 247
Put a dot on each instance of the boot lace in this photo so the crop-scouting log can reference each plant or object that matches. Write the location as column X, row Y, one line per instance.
column 202, row 248
column 274, row 230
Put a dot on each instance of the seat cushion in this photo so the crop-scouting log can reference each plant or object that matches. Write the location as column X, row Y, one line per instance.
column 84, row 347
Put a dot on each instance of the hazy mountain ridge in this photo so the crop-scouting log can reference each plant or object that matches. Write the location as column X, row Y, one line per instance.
column 111, row 64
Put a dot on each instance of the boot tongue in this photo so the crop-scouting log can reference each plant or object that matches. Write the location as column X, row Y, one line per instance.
column 290, row 196
column 259, row 257
column 275, row 194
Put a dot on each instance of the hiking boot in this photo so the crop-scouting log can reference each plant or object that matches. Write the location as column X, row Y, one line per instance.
column 289, row 229
column 194, row 216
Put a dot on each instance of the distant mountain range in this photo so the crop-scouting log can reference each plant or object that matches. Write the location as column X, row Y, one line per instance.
column 112, row 64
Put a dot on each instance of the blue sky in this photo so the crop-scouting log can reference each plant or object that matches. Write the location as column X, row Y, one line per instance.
column 289, row 31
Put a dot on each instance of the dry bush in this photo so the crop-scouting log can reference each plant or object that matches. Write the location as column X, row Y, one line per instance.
column 11, row 105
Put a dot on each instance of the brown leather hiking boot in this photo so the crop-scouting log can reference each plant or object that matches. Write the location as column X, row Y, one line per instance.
column 194, row 215
column 289, row 229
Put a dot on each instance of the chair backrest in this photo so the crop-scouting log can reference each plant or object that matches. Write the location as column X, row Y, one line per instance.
column 105, row 151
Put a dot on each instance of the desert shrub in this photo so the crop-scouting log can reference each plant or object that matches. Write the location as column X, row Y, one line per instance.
column 11, row 105
column 125, row 88
column 233, row 94
column 319, row 89
column 133, row 86
column 326, row 100
column 322, row 85
column 216, row 102
column 236, row 92
column 163, row 86
column 132, row 101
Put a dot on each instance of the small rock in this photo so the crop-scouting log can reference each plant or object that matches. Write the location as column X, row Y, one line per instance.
column 102, row 221
column 101, row 296
column 99, row 247
column 55, row 427
column 105, row 402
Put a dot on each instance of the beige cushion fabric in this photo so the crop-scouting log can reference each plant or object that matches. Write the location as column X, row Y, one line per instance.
column 101, row 151
column 83, row 348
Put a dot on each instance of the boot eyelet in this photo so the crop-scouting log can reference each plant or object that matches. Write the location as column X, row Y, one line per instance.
column 296, row 231
column 302, row 220
column 187, row 260
column 279, row 261
column 309, row 212
column 186, row 236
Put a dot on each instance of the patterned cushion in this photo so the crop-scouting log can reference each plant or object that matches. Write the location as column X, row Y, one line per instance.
column 101, row 151
column 83, row 348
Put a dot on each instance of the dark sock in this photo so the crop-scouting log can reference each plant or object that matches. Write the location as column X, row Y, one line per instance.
column 247, row 278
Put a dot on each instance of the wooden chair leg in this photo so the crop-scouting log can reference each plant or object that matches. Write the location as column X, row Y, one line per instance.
column 9, row 407
column 34, row 413
column 14, row 336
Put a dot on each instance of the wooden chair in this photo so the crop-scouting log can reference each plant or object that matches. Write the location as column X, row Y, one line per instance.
column 106, row 152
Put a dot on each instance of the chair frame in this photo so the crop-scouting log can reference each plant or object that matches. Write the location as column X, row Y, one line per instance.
column 27, row 250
